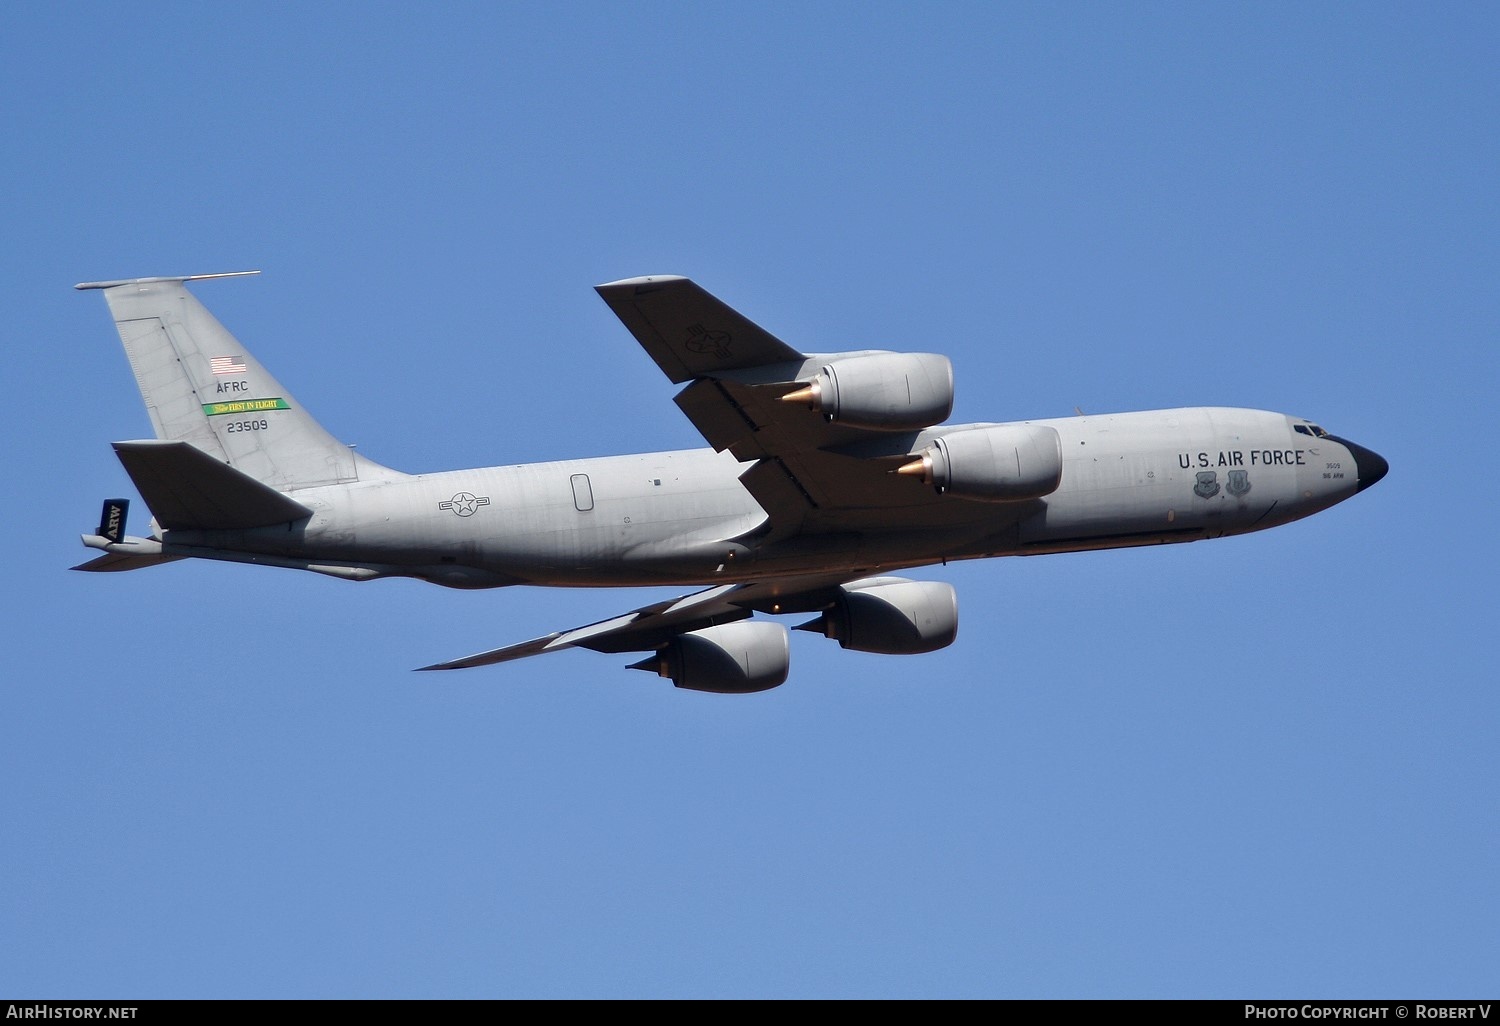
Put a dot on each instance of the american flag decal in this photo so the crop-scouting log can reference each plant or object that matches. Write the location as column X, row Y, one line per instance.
column 227, row 364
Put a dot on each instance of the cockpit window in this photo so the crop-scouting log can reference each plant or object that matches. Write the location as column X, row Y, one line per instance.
column 1310, row 429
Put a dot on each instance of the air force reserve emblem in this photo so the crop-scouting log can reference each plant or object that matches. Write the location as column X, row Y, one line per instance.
column 1239, row 483
column 1208, row 484
column 701, row 340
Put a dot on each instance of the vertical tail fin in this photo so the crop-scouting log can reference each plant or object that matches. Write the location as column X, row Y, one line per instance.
column 112, row 519
column 203, row 387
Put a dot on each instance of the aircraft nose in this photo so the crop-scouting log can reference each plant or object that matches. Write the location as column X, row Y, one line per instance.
column 1371, row 466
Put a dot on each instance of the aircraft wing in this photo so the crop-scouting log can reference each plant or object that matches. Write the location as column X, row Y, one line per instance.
column 651, row 626
column 688, row 332
column 738, row 375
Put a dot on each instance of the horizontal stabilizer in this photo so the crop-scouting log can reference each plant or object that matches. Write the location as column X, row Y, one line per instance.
column 121, row 551
column 175, row 279
column 112, row 562
column 187, row 489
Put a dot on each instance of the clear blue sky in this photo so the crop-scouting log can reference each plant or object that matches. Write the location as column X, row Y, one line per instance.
column 1255, row 767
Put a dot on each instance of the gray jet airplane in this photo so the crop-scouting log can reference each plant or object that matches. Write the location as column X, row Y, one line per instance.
column 824, row 473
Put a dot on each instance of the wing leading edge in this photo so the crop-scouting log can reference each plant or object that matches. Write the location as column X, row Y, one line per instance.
column 652, row 626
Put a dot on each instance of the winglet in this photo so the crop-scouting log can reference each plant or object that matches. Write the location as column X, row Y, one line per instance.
column 154, row 281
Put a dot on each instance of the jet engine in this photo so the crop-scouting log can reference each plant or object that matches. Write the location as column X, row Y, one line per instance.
column 1003, row 463
column 726, row 659
column 882, row 391
column 891, row 616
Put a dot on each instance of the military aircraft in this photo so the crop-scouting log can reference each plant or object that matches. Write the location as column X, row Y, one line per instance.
column 824, row 473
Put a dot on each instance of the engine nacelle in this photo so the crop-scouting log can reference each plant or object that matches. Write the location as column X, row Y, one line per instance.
column 1004, row 463
column 882, row 391
column 891, row 616
column 727, row 659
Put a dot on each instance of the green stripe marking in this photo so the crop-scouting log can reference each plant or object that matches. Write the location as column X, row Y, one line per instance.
column 245, row 406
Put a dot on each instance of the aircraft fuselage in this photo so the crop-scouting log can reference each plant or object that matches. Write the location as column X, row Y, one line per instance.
column 683, row 517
